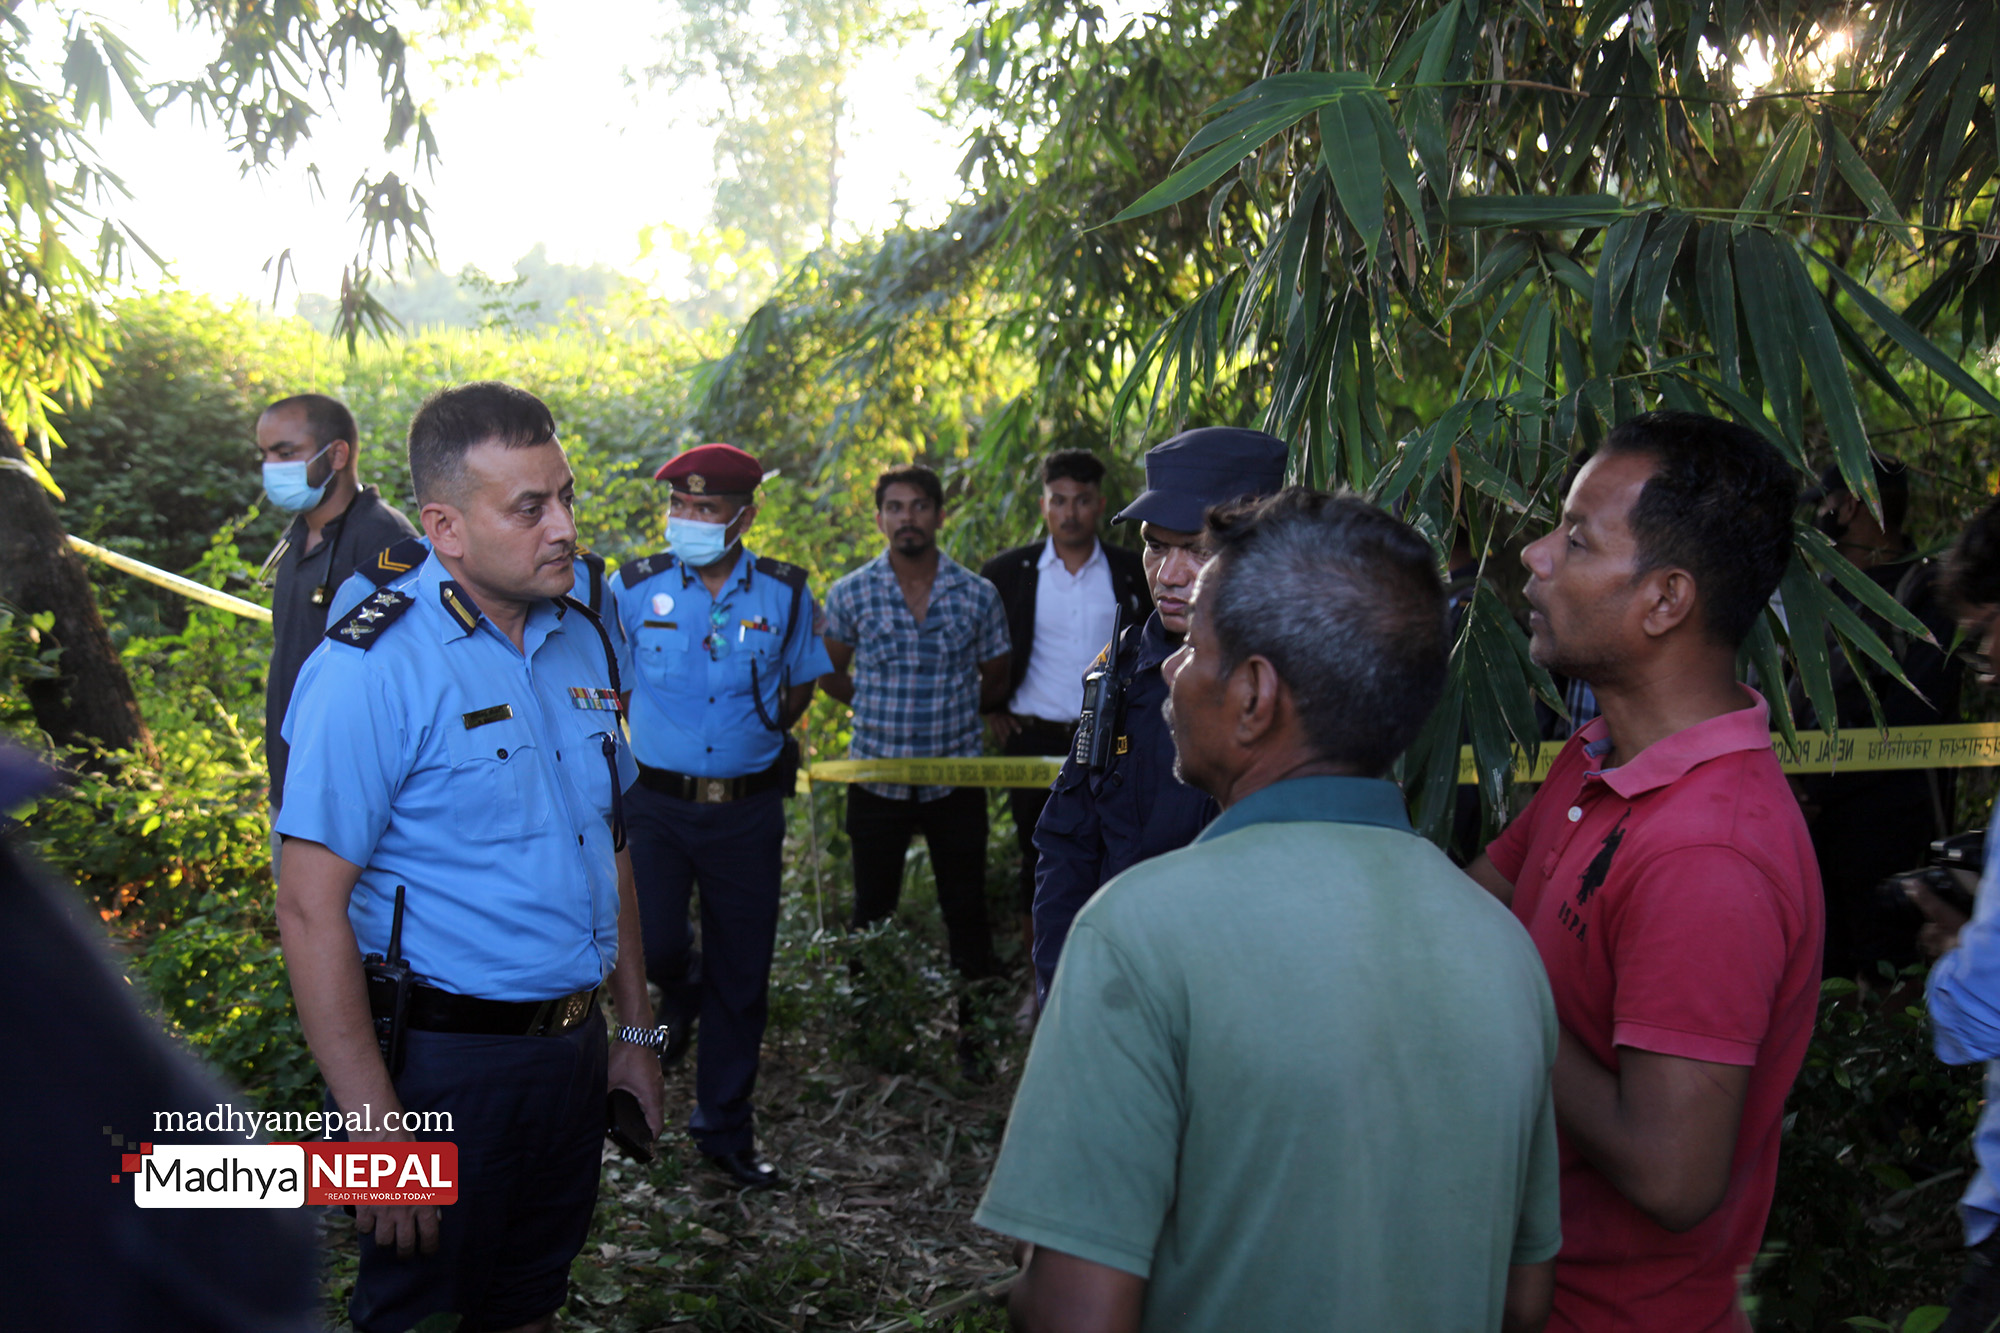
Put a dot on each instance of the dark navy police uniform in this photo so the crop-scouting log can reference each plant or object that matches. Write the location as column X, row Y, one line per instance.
column 1097, row 825
column 484, row 779
column 708, row 680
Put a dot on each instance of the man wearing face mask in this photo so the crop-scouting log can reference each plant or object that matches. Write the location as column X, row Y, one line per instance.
column 1867, row 827
column 725, row 654
column 1100, row 821
column 311, row 454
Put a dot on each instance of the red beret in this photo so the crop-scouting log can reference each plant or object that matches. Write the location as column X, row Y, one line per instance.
column 709, row 469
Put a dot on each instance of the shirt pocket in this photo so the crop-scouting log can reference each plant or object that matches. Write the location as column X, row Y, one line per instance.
column 584, row 760
column 757, row 653
column 497, row 790
column 662, row 654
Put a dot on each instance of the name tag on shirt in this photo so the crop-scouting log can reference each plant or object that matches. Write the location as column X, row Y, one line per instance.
column 581, row 696
column 497, row 713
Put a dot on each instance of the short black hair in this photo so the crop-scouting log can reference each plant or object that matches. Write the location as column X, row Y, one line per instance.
column 1972, row 569
column 917, row 475
column 326, row 418
column 1892, row 483
column 1073, row 465
column 1720, row 506
column 452, row 421
column 1344, row 600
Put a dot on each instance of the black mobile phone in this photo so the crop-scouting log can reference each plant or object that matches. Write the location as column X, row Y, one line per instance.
column 625, row 1125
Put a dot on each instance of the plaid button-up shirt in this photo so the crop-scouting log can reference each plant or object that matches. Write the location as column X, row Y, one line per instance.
column 916, row 687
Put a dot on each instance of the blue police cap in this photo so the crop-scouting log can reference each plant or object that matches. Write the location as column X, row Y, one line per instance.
column 1200, row 468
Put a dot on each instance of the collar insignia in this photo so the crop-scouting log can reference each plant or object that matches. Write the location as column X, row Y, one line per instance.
column 458, row 604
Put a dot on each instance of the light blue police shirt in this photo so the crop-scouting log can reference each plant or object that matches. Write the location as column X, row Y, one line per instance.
column 693, row 710
column 357, row 586
column 442, row 758
column 1963, row 994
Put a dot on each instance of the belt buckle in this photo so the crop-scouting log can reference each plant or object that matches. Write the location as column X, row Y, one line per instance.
column 573, row 1008
column 714, row 791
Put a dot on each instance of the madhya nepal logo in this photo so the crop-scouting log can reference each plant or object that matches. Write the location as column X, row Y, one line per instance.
column 290, row 1175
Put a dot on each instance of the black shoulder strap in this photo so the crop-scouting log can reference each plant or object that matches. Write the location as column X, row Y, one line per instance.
column 394, row 561
column 594, row 562
column 792, row 577
column 604, row 636
column 610, row 743
column 635, row 572
column 360, row 627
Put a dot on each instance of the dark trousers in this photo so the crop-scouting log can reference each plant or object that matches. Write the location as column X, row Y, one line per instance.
column 954, row 828
column 1036, row 737
column 1975, row 1306
column 734, row 853
column 527, row 1114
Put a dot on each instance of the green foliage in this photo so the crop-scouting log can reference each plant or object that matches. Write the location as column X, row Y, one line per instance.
column 163, row 456
column 1875, row 1155
column 272, row 64
column 783, row 70
column 538, row 296
column 1443, row 249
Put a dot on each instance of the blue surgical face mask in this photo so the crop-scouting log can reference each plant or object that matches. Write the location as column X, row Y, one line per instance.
column 696, row 544
column 285, row 485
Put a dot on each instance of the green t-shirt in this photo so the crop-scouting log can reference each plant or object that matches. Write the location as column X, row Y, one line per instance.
column 1297, row 1076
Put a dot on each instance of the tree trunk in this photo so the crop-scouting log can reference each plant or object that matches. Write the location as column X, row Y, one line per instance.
column 90, row 703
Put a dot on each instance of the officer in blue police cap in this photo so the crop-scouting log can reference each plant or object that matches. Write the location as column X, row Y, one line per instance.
column 725, row 656
column 1117, row 801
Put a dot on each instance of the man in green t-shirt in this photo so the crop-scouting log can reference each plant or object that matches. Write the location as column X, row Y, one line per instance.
column 1295, row 1076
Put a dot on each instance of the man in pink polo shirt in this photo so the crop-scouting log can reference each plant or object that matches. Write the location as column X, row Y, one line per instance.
column 1665, row 874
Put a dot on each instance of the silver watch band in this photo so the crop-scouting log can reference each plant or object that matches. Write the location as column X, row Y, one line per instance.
column 653, row 1039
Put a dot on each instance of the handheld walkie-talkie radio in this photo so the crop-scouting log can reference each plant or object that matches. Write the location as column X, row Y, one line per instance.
column 389, row 984
column 1103, row 708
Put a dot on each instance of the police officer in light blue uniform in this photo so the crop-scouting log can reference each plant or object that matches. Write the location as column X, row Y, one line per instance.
column 725, row 652
column 456, row 739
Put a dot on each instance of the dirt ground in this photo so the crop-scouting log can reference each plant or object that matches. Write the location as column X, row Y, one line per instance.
column 874, row 1232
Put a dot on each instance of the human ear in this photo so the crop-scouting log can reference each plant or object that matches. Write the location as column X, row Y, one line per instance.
column 1253, row 690
column 1670, row 599
column 445, row 526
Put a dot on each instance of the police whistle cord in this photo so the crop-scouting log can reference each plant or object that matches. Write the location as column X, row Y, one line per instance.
column 1857, row 750
column 188, row 588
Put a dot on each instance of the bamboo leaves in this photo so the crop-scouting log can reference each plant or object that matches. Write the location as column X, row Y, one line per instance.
column 1242, row 125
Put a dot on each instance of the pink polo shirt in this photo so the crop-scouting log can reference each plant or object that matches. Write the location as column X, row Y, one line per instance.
column 1676, row 904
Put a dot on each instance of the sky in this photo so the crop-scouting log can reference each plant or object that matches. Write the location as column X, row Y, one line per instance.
column 565, row 152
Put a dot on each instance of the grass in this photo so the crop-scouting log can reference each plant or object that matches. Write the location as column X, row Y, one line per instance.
column 860, row 1103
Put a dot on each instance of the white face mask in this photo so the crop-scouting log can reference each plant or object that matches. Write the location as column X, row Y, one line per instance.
column 285, row 485
column 697, row 544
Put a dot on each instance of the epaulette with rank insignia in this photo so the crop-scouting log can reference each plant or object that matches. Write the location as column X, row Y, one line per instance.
column 396, row 561
column 789, row 575
column 635, row 572
column 361, row 626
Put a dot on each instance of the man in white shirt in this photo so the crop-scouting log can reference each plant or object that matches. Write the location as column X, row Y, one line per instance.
column 1062, row 594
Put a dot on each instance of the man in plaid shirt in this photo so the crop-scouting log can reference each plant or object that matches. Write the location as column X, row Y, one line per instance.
column 919, row 648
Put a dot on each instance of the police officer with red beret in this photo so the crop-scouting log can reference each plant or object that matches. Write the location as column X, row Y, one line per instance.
column 724, row 659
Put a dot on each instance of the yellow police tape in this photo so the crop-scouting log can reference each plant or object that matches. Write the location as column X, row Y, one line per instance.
column 1957, row 745
column 185, row 587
